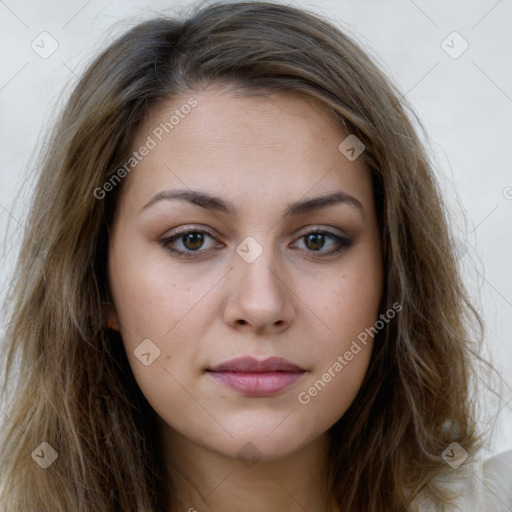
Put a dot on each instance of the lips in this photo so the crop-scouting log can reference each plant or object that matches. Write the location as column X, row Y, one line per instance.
column 249, row 376
column 251, row 365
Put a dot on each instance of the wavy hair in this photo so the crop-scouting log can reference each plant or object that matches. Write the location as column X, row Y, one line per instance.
column 66, row 376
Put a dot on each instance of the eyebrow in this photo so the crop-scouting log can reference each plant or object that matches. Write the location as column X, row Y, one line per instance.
column 217, row 204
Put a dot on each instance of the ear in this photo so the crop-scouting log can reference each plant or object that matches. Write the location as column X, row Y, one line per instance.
column 111, row 318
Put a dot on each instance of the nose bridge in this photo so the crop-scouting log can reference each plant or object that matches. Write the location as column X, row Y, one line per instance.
column 259, row 295
column 258, row 259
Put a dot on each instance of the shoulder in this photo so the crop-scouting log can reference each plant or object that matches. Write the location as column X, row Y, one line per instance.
column 497, row 482
column 478, row 486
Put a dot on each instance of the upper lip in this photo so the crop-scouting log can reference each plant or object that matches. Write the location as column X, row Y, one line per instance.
column 252, row 365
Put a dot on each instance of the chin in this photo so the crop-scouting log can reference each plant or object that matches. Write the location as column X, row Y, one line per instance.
column 267, row 444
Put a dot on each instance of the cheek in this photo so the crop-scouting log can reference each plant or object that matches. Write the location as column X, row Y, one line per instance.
column 169, row 304
column 350, row 310
column 325, row 398
column 353, row 305
column 152, row 297
column 154, row 302
column 352, row 301
column 155, row 306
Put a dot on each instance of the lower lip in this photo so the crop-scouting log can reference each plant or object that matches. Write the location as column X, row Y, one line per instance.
column 257, row 384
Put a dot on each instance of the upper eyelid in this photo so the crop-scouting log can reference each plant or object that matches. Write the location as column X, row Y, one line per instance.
column 192, row 228
column 184, row 230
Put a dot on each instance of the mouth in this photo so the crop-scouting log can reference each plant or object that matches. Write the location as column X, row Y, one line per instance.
column 251, row 377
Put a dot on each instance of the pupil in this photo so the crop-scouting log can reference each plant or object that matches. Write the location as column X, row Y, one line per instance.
column 195, row 238
column 316, row 238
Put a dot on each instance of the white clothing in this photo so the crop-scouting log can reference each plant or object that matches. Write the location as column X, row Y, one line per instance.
column 481, row 486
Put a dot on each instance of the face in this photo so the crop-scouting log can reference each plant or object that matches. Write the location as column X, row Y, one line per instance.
column 238, row 293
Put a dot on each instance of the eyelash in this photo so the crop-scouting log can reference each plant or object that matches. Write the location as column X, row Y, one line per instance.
column 343, row 242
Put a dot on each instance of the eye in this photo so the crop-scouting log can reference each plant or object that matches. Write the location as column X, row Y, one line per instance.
column 316, row 240
column 190, row 240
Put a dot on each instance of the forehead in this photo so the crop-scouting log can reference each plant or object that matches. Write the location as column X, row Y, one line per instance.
column 277, row 146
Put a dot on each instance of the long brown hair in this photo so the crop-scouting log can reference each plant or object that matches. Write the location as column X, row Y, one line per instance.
column 67, row 377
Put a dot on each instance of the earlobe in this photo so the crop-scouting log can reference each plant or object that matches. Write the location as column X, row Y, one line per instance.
column 112, row 321
column 112, row 325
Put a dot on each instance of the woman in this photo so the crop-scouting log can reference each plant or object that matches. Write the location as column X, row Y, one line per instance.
column 237, row 289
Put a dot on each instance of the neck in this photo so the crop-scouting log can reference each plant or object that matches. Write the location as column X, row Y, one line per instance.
column 206, row 481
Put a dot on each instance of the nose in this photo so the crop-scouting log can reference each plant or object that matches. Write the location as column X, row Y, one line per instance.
column 260, row 297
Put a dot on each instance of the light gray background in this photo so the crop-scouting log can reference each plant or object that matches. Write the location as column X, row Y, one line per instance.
column 465, row 104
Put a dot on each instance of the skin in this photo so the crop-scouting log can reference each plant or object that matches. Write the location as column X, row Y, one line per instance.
column 295, row 300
